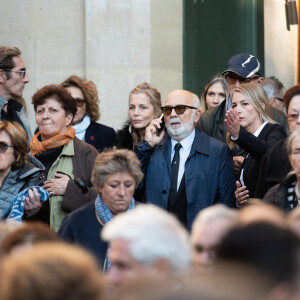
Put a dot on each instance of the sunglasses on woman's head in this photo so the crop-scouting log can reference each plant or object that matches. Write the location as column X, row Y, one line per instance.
column 79, row 102
column 179, row 109
column 4, row 146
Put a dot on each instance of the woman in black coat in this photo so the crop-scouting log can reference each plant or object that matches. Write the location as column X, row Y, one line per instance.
column 252, row 129
column 88, row 113
column 287, row 193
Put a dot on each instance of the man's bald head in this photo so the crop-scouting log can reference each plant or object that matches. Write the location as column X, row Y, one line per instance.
column 184, row 115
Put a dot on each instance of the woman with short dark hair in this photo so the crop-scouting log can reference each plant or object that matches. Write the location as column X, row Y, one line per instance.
column 68, row 161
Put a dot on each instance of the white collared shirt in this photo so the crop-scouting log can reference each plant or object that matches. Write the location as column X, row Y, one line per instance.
column 184, row 152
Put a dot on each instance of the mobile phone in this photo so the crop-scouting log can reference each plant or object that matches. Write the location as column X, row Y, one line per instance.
column 162, row 125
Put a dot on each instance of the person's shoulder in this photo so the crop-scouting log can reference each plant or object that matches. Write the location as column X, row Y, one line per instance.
column 101, row 128
column 269, row 128
column 81, row 147
column 82, row 212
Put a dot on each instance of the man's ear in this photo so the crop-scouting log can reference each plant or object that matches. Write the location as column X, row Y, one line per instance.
column 260, row 80
column 3, row 76
column 271, row 101
column 197, row 116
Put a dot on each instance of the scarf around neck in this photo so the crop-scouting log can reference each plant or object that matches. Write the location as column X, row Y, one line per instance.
column 104, row 213
column 82, row 127
column 38, row 147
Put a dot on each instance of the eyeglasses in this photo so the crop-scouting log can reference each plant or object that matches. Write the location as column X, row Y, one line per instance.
column 293, row 117
column 179, row 109
column 22, row 72
column 4, row 147
column 231, row 78
column 79, row 102
column 280, row 99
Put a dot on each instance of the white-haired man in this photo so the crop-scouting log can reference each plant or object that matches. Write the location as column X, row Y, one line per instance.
column 146, row 243
column 185, row 169
column 209, row 228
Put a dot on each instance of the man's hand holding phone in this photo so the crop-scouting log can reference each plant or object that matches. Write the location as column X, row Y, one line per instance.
column 155, row 131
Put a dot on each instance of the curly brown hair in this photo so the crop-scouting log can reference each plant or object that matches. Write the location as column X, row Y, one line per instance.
column 58, row 93
column 90, row 94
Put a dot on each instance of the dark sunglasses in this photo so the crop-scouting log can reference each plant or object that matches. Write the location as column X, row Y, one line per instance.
column 79, row 102
column 4, row 147
column 230, row 78
column 179, row 109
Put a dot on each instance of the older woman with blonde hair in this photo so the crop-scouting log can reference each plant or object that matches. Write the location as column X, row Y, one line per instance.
column 88, row 113
column 144, row 106
column 252, row 128
column 115, row 175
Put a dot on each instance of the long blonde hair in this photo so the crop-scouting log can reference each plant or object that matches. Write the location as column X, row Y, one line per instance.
column 258, row 98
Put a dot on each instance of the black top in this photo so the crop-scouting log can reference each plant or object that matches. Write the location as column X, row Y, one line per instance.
column 81, row 227
column 257, row 147
column 100, row 136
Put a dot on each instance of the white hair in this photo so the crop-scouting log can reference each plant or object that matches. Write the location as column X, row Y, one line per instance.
column 212, row 213
column 272, row 86
column 153, row 234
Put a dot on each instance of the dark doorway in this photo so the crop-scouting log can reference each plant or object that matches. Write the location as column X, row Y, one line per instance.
column 215, row 30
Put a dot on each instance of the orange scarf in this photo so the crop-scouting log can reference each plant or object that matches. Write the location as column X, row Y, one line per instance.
column 38, row 147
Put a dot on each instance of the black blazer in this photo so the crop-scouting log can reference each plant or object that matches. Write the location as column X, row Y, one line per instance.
column 257, row 147
column 100, row 136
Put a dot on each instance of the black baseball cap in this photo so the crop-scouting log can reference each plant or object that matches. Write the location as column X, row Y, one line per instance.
column 244, row 65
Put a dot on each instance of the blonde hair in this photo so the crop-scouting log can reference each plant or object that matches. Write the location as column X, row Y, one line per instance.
column 155, row 101
column 258, row 98
column 113, row 161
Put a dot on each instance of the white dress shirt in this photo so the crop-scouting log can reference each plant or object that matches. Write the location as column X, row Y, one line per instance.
column 184, row 152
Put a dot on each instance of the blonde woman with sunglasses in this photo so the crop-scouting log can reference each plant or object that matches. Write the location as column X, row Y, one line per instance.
column 18, row 170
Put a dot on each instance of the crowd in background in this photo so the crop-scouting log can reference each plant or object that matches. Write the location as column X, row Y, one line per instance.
column 194, row 198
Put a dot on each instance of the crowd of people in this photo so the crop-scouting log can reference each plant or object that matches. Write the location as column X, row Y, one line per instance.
column 194, row 198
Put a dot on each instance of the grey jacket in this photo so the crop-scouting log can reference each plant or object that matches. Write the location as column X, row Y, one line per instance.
column 22, row 116
column 28, row 175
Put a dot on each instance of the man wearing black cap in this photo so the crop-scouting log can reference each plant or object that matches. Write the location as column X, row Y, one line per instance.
column 241, row 68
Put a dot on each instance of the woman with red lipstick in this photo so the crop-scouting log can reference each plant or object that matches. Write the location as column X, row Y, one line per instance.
column 144, row 106
column 252, row 128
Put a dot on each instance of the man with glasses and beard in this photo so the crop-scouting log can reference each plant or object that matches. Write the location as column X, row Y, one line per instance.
column 185, row 169
column 13, row 79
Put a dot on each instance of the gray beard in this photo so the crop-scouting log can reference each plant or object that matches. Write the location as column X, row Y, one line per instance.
column 183, row 131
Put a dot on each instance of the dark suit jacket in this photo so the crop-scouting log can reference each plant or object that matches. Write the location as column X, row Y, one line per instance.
column 209, row 175
column 274, row 167
column 257, row 147
column 82, row 228
column 100, row 136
